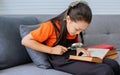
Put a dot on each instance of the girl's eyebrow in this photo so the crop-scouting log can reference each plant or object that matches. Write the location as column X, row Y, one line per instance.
column 77, row 28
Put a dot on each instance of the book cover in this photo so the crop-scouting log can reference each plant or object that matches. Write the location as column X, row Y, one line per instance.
column 105, row 46
column 113, row 56
column 85, row 58
column 111, row 52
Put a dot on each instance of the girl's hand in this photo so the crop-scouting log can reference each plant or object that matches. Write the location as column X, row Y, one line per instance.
column 84, row 51
column 58, row 50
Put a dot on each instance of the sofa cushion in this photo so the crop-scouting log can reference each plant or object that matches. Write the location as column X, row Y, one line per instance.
column 30, row 69
column 12, row 53
column 39, row 58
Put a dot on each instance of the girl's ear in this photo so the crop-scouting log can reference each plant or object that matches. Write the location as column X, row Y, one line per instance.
column 68, row 19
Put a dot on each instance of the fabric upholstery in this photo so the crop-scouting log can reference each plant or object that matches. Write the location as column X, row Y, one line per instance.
column 39, row 58
column 103, row 29
column 12, row 53
column 30, row 69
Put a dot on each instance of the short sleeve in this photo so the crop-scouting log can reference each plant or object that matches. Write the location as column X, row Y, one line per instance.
column 42, row 33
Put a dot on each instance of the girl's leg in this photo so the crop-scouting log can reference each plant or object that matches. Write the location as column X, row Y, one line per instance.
column 85, row 68
column 113, row 64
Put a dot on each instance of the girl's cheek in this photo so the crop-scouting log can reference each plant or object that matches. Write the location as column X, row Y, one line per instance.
column 72, row 31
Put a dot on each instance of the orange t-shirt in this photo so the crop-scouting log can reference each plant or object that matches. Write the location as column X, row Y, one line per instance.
column 46, row 33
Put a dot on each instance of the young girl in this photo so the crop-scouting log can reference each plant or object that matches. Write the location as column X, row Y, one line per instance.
column 55, row 35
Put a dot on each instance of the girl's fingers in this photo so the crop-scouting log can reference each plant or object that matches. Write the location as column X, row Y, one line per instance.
column 85, row 52
column 64, row 48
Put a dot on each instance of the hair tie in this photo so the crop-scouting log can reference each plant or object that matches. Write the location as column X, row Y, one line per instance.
column 73, row 4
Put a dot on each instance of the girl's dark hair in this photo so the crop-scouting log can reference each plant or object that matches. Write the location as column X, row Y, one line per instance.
column 78, row 11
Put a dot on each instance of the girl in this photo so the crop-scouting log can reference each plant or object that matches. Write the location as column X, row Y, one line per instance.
column 55, row 35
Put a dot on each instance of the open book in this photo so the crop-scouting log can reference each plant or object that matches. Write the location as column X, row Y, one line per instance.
column 96, row 55
column 112, row 54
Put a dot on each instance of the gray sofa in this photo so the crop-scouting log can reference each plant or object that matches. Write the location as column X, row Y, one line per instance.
column 14, row 59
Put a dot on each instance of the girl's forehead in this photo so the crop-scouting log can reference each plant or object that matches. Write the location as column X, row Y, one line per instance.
column 79, row 23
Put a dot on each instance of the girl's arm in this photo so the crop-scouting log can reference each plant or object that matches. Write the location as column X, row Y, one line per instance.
column 29, row 41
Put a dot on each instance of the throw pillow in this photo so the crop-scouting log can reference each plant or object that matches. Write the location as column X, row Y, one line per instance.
column 40, row 59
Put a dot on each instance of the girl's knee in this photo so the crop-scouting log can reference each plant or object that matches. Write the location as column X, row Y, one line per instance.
column 101, row 69
column 106, row 70
column 112, row 63
column 115, row 63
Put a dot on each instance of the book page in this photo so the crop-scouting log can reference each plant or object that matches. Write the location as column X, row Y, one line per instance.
column 97, row 52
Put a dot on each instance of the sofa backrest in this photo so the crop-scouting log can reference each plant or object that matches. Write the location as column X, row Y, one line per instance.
column 103, row 29
column 12, row 53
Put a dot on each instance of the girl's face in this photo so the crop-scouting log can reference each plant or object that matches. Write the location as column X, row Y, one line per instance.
column 76, row 27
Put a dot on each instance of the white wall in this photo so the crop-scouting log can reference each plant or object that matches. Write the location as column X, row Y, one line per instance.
column 18, row 7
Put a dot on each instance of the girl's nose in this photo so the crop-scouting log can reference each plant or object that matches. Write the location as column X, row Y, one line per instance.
column 78, row 32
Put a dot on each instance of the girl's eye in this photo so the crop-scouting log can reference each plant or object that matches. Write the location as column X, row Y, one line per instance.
column 78, row 29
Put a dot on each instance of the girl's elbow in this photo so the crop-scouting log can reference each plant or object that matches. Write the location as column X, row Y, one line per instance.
column 26, row 40
column 23, row 41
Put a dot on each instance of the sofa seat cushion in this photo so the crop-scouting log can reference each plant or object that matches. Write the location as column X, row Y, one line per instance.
column 30, row 69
